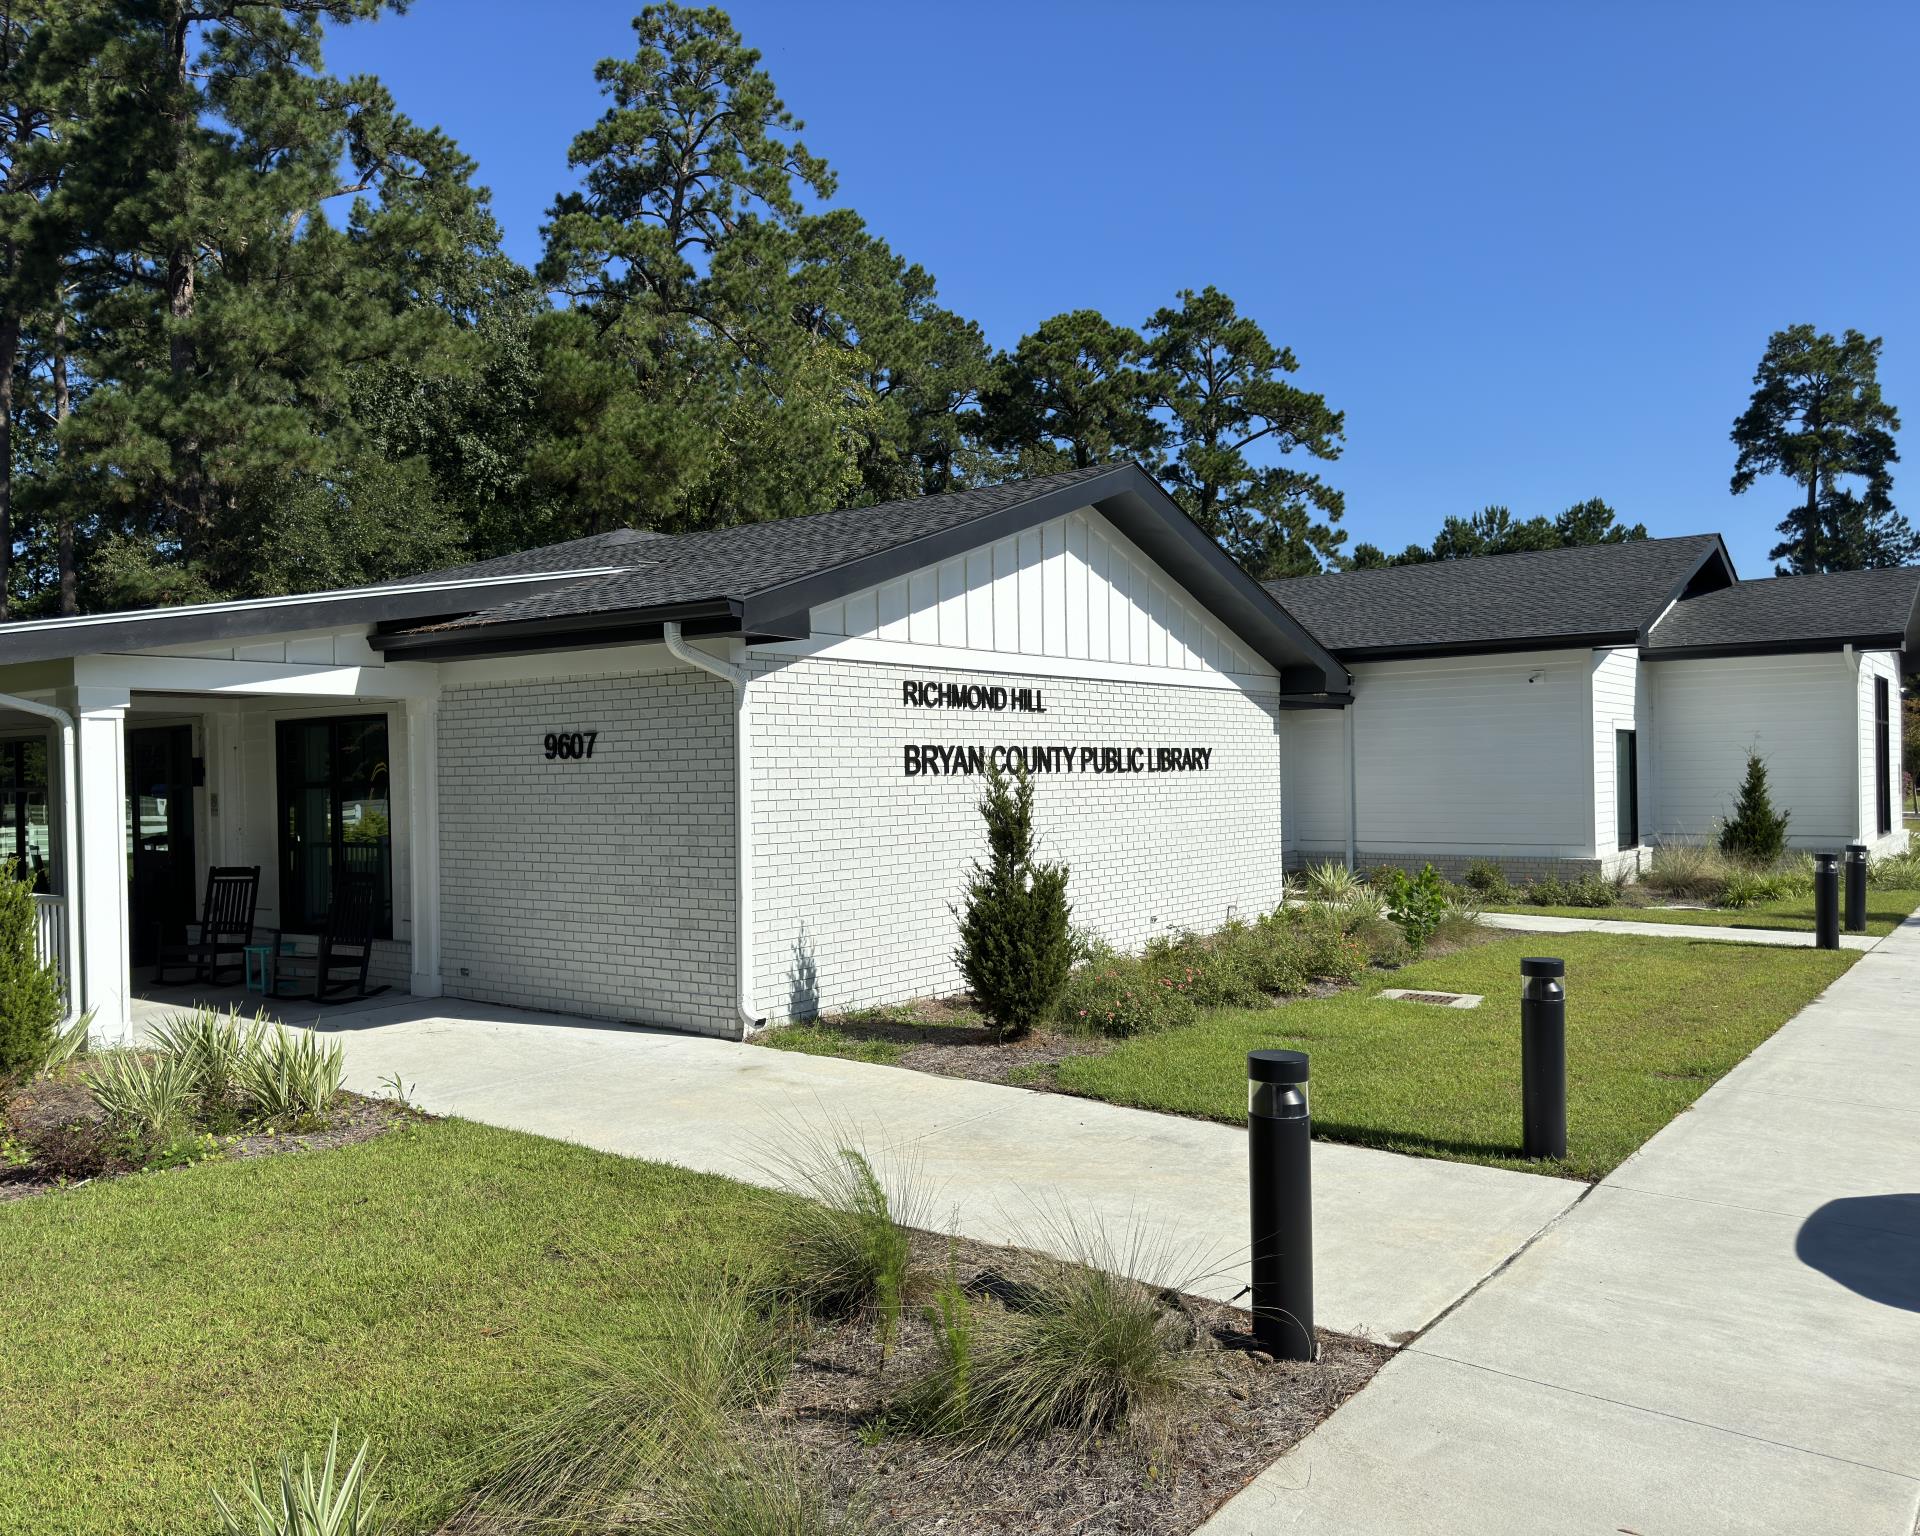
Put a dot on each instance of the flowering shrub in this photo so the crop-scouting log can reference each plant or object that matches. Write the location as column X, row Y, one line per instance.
column 1122, row 997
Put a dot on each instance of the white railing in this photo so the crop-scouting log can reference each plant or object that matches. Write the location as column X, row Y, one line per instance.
column 52, row 912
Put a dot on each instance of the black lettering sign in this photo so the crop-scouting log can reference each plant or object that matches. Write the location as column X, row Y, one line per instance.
column 925, row 693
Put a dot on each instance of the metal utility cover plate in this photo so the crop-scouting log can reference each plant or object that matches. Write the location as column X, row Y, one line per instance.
column 1433, row 999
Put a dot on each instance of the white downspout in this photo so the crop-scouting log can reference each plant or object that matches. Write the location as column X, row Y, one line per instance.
column 1353, row 787
column 69, row 838
column 742, row 812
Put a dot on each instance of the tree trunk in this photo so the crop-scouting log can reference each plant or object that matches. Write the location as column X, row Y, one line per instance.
column 190, row 489
column 62, row 409
column 9, row 354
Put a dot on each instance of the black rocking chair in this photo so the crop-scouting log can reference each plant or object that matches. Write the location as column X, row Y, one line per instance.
column 337, row 967
column 225, row 928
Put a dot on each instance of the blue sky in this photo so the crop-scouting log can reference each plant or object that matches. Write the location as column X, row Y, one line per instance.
column 1532, row 251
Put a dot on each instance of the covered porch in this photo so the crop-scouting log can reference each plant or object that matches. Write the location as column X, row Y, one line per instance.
column 126, row 779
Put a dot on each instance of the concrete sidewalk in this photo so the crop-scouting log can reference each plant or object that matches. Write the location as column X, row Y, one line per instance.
column 1529, row 922
column 1724, row 1337
column 1399, row 1239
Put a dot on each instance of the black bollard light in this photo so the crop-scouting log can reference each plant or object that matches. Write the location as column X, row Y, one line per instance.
column 1543, row 1058
column 1826, row 901
column 1279, row 1151
column 1856, row 887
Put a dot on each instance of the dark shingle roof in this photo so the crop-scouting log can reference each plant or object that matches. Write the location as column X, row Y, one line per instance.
column 1496, row 601
column 1861, row 606
column 749, row 558
column 621, row 546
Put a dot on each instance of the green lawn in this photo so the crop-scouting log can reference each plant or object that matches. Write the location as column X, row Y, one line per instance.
column 160, row 1332
column 1651, row 1024
column 1886, row 910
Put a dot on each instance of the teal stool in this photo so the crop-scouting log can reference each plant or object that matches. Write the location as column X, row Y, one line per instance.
column 259, row 959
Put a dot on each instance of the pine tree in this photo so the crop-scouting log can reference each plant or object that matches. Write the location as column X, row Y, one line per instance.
column 1757, row 833
column 1014, row 949
column 29, row 991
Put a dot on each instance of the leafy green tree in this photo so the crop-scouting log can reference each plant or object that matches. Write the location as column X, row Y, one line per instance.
column 250, row 237
column 1496, row 531
column 1755, row 832
column 1817, row 417
column 1015, row 950
column 1223, row 386
column 29, row 990
column 1071, row 395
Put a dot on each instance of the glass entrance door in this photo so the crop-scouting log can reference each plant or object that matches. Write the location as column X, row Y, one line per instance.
column 160, row 896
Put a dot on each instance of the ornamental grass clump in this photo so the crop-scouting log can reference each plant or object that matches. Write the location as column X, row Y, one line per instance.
column 214, row 1049
column 844, row 1245
column 144, row 1097
column 1016, row 946
column 289, row 1079
column 1077, row 1347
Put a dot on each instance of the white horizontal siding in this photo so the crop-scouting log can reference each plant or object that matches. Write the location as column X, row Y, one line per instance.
column 1797, row 712
column 1880, row 664
column 1072, row 589
column 1616, row 676
column 1477, row 756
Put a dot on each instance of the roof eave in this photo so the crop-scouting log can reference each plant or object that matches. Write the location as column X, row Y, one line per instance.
column 1774, row 646
column 1353, row 654
column 566, row 632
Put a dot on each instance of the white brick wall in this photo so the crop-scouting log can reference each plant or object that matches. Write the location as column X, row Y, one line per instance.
column 855, row 863
column 600, row 887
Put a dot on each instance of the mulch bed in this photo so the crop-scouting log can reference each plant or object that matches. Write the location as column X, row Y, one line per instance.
column 1247, row 1410
column 46, row 1108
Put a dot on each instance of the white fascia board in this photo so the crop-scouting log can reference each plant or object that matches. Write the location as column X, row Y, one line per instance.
column 188, row 674
column 83, row 622
column 904, row 653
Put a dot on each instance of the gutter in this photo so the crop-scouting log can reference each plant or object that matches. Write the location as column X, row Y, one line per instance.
column 69, row 838
column 742, row 815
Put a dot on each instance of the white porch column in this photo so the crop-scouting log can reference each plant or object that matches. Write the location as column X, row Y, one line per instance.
column 423, row 838
column 100, row 718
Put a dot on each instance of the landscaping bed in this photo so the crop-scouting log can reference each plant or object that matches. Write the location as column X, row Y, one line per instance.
column 1244, row 1410
column 1652, row 1023
column 1886, row 910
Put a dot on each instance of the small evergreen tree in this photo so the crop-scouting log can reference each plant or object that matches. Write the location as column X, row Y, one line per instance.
column 1014, row 947
column 1757, row 833
column 29, row 991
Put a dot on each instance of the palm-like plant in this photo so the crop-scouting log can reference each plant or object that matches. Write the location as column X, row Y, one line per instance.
column 310, row 1501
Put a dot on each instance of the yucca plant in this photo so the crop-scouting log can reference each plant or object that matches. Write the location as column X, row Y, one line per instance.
column 214, row 1048
column 289, row 1078
column 322, row 1501
column 1328, row 881
column 70, row 1044
column 145, row 1095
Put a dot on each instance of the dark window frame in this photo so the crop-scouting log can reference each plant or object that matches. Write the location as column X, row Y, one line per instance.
column 1883, row 755
column 1626, row 798
column 295, row 914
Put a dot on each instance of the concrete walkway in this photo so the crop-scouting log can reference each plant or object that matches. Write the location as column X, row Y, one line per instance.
column 1529, row 922
column 1723, row 1338
column 1399, row 1239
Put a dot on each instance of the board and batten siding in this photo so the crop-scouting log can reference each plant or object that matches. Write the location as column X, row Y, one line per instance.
column 1073, row 589
column 1455, row 759
column 1798, row 712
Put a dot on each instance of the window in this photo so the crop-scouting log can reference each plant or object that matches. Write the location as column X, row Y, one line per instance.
column 24, row 834
column 1626, row 789
column 334, row 815
column 1883, row 752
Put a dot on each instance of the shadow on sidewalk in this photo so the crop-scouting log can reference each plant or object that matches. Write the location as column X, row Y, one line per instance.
column 1870, row 1244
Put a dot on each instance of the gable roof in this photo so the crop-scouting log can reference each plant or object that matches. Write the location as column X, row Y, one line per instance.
column 759, row 580
column 1599, row 594
column 1871, row 610
column 762, row 579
